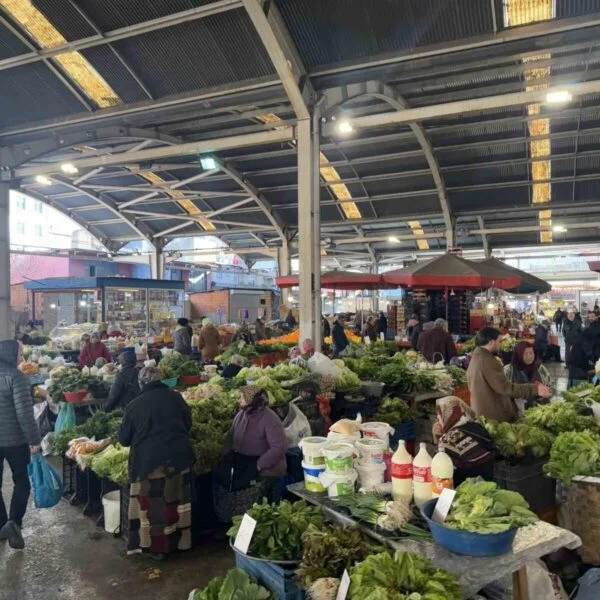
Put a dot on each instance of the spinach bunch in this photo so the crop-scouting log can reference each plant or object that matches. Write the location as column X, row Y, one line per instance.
column 574, row 453
column 236, row 585
column 279, row 529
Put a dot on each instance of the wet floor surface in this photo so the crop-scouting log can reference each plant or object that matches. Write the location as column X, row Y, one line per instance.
column 68, row 558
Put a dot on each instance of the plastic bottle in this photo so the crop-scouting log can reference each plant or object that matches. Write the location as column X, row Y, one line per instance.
column 402, row 472
column 442, row 472
column 422, row 476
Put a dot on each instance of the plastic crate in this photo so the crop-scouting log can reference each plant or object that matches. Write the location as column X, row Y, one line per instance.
column 308, row 407
column 281, row 582
column 124, row 513
column 69, row 476
column 529, row 481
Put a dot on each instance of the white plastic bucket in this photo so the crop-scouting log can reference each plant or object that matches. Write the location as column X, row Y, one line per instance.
column 371, row 450
column 378, row 430
column 369, row 474
column 339, row 457
column 332, row 436
column 339, row 484
column 312, row 450
column 111, row 503
column 312, row 483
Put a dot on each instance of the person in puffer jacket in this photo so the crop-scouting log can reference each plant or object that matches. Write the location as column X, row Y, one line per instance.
column 19, row 438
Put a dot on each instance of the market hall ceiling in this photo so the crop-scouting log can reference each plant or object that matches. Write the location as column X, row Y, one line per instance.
column 82, row 79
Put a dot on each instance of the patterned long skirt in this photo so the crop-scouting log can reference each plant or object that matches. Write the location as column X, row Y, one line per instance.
column 160, row 513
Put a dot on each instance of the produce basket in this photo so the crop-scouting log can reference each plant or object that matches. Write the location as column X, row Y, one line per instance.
column 466, row 542
column 373, row 388
column 75, row 397
column 228, row 504
column 170, row 383
column 583, row 511
column 190, row 379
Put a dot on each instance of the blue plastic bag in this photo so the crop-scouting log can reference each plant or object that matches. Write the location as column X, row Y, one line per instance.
column 66, row 418
column 46, row 483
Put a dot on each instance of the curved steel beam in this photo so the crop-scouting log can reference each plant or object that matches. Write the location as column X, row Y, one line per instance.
column 376, row 89
column 253, row 192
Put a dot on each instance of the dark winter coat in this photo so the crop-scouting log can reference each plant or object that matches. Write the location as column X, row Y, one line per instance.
column 17, row 423
column 156, row 427
column 125, row 386
column 182, row 340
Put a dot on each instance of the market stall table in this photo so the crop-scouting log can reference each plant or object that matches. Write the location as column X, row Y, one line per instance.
column 473, row 573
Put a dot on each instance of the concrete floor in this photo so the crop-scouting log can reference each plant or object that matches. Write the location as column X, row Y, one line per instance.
column 66, row 557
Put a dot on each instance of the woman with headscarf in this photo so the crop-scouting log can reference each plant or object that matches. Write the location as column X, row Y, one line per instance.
column 466, row 441
column 235, row 365
column 526, row 367
column 209, row 340
column 125, row 386
column 258, row 436
column 156, row 427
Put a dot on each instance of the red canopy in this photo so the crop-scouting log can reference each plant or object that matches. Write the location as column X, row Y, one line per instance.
column 451, row 271
column 339, row 280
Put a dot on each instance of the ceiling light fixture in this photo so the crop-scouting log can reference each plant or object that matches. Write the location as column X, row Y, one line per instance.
column 393, row 239
column 559, row 97
column 345, row 126
column 69, row 168
column 43, row 180
column 559, row 229
column 208, row 163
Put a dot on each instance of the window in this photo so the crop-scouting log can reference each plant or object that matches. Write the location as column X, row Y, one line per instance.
column 38, row 207
column 20, row 228
column 21, row 202
column 37, row 229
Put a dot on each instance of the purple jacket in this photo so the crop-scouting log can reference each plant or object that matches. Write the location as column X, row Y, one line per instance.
column 261, row 434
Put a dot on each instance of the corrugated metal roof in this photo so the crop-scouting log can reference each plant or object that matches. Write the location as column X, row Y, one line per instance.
column 10, row 45
column 573, row 8
column 66, row 18
column 339, row 30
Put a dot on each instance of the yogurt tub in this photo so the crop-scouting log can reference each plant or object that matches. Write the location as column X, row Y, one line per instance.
column 332, row 436
column 378, row 430
column 338, row 457
column 312, row 450
column 339, row 484
column 312, row 481
column 370, row 475
column 371, row 450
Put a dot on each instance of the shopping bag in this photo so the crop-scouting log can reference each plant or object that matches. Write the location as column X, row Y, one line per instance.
column 46, row 483
column 66, row 418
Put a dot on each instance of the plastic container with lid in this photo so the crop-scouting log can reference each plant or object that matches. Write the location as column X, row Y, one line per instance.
column 422, row 476
column 332, row 436
column 312, row 473
column 371, row 450
column 370, row 475
column 379, row 430
column 402, row 473
column 338, row 457
column 442, row 473
column 339, row 483
column 312, row 450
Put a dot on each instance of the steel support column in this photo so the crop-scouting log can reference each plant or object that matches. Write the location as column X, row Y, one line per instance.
column 308, row 226
column 316, row 225
column 157, row 263
column 5, row 320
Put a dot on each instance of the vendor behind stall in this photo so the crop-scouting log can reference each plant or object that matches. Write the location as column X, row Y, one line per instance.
column 125, row 386
column 465, row 441
column 437, row 344
column 92, row 350
column 182, row 338
column 526, row 368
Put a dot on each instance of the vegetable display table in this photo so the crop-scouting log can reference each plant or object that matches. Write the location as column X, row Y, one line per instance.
column 473, row 573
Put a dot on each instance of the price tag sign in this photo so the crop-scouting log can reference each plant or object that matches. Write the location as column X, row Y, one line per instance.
column 440, row 512
column 344, row 587
column 245, row 533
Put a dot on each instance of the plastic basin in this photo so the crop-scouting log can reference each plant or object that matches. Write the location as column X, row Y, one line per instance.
column 74, row 397
column 465, row 542
column 190, row 379
column 170, row 383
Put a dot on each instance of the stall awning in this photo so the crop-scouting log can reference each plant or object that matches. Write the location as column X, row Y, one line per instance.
column 339, row 280
column 451, row 271
column 529, row 283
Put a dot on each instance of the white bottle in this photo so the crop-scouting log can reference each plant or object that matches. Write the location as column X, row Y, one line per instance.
column 402, row 472
column 442, row 472
column 422, row 476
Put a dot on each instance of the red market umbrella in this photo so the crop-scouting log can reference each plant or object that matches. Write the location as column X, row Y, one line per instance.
column 529, row 283
column 451, row 271
column 339, row 280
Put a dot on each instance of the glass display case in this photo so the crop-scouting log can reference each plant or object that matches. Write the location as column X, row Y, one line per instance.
column 126, row 309
column 164, row 308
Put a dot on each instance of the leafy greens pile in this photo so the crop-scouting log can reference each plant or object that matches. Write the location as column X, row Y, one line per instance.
column 574, row 453
column 515, row 440
column 236, row 585
column 99, row 427
column 279, row 528
column 329, row 551
column 481, row 507
column 403, row 576
column 393, row 411
column 558, row 417
column 112, row 462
